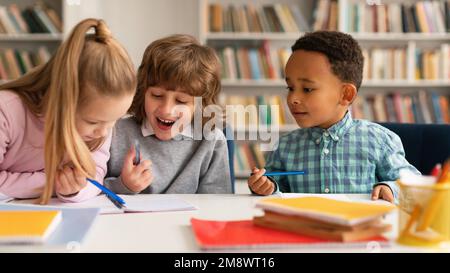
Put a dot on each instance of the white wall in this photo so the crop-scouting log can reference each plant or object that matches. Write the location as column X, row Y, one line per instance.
column 136, row 23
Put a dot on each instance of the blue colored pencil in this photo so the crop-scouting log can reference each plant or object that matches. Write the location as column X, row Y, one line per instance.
column 111, row 195
column 285, row 173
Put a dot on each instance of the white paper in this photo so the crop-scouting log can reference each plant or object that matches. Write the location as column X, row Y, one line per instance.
column 4, row 198
column 134, row 203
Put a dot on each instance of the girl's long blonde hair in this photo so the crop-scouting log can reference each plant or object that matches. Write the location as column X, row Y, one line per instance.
column 84, row 65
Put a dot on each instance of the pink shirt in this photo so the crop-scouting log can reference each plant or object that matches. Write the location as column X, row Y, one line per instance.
column 22, row 153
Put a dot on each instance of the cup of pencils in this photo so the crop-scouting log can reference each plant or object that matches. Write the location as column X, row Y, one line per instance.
column 424, row 208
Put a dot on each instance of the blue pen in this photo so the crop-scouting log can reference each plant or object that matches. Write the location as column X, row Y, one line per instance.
column 111, row 195
column 284, row 173
column 137, row 149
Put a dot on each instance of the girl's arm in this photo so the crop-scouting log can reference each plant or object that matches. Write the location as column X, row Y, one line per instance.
column 101, row 157
column 15, row 184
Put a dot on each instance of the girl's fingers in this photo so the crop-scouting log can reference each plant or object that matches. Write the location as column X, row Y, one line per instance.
column 80, row 179
column 64, row 184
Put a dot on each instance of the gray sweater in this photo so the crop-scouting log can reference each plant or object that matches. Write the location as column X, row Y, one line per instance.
column 182, row 165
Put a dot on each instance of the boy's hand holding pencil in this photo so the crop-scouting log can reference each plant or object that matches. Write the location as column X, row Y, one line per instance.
column 259, row 183
column 136, row 173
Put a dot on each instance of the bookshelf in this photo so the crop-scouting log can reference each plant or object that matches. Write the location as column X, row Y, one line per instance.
column 418, row 44
column 30, row 32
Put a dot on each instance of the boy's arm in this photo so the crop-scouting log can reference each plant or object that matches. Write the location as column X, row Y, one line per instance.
column 390, row 163
column 217, row 178
column 274, row 164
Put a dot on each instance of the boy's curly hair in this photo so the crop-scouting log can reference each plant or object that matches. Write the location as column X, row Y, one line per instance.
column 343, row 53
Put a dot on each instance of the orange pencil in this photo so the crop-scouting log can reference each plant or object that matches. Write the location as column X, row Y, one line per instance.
column 435, row 202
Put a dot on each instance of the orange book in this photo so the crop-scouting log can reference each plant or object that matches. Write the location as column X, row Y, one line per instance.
column 28, row 226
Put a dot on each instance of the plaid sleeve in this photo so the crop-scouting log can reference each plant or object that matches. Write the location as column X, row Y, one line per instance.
column 274, row 163
column 390, row 163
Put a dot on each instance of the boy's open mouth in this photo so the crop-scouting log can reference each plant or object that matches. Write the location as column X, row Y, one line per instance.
column 165, row 124
column 300, row 114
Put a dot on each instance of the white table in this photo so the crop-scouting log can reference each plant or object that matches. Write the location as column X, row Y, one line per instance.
column 171, row 231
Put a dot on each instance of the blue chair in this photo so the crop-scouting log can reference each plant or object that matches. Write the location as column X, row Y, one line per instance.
column 228, row 132
column 425, row 144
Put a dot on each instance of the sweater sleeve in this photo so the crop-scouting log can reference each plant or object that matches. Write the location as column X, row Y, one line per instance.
column 217, row 178
column 15, row 184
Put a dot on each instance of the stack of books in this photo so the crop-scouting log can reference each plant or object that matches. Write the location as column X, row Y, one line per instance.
column 325, row 218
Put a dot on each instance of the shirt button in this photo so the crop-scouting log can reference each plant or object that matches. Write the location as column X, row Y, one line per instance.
column 327, row 190
column 336, row 138
column 318, row 141
column 326, row 134
column 326, row 151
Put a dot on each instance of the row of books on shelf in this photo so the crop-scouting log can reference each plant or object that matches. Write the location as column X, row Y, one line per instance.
column 14, row 63
column 267, row 62
column 34, row 19
column 264, row 62
column 421, row 16
column 385, row 63
column 421, row 107
column 326, row 15
column 433, row 64
column 392, row 63
column 257, row 18
column 259, row 110
column 247, row 156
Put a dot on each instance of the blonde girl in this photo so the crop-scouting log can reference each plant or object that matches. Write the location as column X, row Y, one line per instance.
column 55, row 121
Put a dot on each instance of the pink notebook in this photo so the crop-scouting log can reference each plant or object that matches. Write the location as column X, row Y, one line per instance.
column 244, row 234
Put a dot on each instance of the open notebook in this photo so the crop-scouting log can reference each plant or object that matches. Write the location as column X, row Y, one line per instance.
column 4, row 198
column 134, row 203
column 28, row 226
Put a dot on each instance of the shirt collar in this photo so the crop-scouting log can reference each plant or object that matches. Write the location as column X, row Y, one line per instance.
column 336, row 131
column 147, row 130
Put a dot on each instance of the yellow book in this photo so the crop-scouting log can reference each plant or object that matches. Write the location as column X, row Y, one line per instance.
column 346, row 213
column 27, row 226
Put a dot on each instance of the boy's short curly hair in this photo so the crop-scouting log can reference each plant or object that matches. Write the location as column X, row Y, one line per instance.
column 178, row 61
column 343, row 53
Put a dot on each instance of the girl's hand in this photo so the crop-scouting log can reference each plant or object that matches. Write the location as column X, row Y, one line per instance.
column 136, row 177
column 69, row 182
column 260, row 184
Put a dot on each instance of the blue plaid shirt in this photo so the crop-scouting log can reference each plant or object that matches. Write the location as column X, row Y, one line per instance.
column 352, row 156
